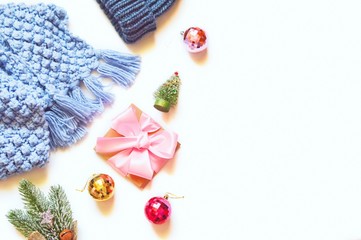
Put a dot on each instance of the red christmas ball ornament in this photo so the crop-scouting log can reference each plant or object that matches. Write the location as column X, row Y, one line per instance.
column 158, row 210
column 195, row 39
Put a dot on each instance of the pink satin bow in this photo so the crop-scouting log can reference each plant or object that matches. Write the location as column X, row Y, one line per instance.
column 139, row 152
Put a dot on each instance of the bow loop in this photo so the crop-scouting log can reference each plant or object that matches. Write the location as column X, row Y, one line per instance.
column 147, row 124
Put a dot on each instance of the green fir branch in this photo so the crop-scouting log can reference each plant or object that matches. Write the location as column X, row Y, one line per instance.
column 34, row 200
column 26, row 223
column 22, row 221
column 49, row 215
column 60, row 208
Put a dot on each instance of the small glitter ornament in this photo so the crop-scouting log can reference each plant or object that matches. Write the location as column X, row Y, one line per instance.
column 66, row 234
column 195, row 39
column 158, row 209
column 101, row 187
column 47, row 218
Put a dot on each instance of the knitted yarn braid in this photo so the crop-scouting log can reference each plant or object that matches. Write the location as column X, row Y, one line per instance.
column 132, row 19
column 42, row 65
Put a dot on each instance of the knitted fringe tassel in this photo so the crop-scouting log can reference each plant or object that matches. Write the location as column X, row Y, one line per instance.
column 96, row 87
column 68, row 116
column 62, row 128
column 95, row 105
column 122, row 68
column 71, row 107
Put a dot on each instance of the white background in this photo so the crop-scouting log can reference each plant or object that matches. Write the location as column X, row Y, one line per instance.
column 269, row 119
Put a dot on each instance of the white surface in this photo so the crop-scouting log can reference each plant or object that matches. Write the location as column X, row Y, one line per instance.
column 269, row 120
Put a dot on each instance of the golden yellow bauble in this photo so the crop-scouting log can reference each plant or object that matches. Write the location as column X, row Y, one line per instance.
column 101, row 187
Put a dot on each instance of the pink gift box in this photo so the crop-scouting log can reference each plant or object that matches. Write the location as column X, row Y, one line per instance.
column 136, row 146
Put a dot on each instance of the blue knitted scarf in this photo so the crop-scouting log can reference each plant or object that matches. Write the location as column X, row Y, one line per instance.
column 42, row 65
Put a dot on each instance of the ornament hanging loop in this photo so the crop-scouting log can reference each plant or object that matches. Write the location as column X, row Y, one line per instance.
column 171, row 195
column 87, row 182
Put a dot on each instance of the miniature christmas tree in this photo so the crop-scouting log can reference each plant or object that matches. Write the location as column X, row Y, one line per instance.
column 166, row 95
column 44, row 217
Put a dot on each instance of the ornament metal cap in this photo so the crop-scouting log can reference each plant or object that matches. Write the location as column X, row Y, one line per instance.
column 162, row 105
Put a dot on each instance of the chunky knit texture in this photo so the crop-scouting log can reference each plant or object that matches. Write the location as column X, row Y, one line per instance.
column 132, row 19
column 42, row 106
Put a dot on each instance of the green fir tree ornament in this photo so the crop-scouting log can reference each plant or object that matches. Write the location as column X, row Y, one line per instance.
column 43, row 217
column 166, row 95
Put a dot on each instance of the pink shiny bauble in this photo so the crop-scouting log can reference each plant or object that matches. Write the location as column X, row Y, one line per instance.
column 195, row 39
column 158, row 210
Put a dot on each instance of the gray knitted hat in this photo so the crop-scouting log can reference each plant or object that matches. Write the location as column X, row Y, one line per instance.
column 132, row 19
column 42, row 65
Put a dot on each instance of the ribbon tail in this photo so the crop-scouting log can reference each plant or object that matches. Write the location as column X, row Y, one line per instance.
column 140, row 164
column 157, row 162
column 121, row 161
